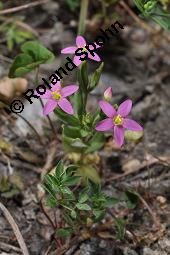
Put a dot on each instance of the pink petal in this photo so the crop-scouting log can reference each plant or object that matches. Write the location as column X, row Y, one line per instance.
column 80, row 41
column 77, row 61
column 56, row 87
column 119, row 135
column 105, row 125
column 98, row 46
column 66, row 106
column 46, row 95
column 107, row 109
column 49, row 106
column 68, row 50
column 95, row 58
column 125, row 108
column 69, row 90
column 132, row 125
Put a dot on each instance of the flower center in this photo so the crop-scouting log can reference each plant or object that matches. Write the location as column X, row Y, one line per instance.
column 118, row 120
column 84, row 49
column 56, row 95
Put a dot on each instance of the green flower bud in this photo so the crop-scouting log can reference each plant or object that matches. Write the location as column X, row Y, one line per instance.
column 149, row 5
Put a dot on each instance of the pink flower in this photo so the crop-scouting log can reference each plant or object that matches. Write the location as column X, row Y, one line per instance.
column 57, row 98
column 81, row 43
column 117, row 120
column 108, row 94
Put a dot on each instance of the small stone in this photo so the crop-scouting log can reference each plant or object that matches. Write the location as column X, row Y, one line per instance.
column 162, row 200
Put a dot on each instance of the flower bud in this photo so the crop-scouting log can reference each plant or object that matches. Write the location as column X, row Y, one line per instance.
column 108, row 94
column 149, row 5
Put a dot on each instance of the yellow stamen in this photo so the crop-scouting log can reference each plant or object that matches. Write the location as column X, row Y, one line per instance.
column 56, row 95
column 118, row 120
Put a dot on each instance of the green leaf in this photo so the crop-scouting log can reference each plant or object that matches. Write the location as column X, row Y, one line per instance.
column 78, row 143
column 72, row 132
column 48, row 188
column 59, row 171
column 84, row 133
column 83, row 77
column 99, row 214
column 37, row 52
column 139, row 5
column 33, row 55
column 71, row 169
column 95, row 77
column 72, row 180
column 53, row 180
column 68, row 119
column 110, row 201
column 83, row 207
column 96, row 143
column 21, row 61
column 66, row 190
column 51, row 202
column 132, row 198
column 83, row 198
column 64, row 232
column 120, row 227
column 73, row 214
column 73, row 145
column 79, row 103
column 80, row 98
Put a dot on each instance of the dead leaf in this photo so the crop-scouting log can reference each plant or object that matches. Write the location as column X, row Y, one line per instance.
column 5, row 146
column 131, row 165
column 16, row 181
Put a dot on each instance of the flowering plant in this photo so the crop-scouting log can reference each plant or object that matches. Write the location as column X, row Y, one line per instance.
column 82, row 136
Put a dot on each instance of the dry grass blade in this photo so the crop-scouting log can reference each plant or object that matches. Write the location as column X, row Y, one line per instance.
column 22, row 7
column 15, row 228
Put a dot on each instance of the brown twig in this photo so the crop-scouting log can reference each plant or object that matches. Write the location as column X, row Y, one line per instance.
column 9, row 247
column 23, row 7
column 15, row 228
column 150, row 160
column 49, row 163
column 50, row 221
column 135, row 17
column 155, row 219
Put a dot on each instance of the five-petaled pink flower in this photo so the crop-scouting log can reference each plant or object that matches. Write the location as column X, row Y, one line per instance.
column 81, row 43
column 57, row 98
column 117, row 120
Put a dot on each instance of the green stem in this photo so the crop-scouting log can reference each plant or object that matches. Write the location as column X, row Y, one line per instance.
column 83, row 16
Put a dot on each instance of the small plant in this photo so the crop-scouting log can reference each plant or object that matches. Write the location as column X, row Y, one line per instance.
column 153, row 10
column 15, row 32
column 80, row 208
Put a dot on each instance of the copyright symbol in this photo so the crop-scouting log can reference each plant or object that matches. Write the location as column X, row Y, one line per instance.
column 17, row 106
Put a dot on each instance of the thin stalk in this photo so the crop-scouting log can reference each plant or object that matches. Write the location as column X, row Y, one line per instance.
column 83, row 16
column 32, row 127
column 49, row 119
